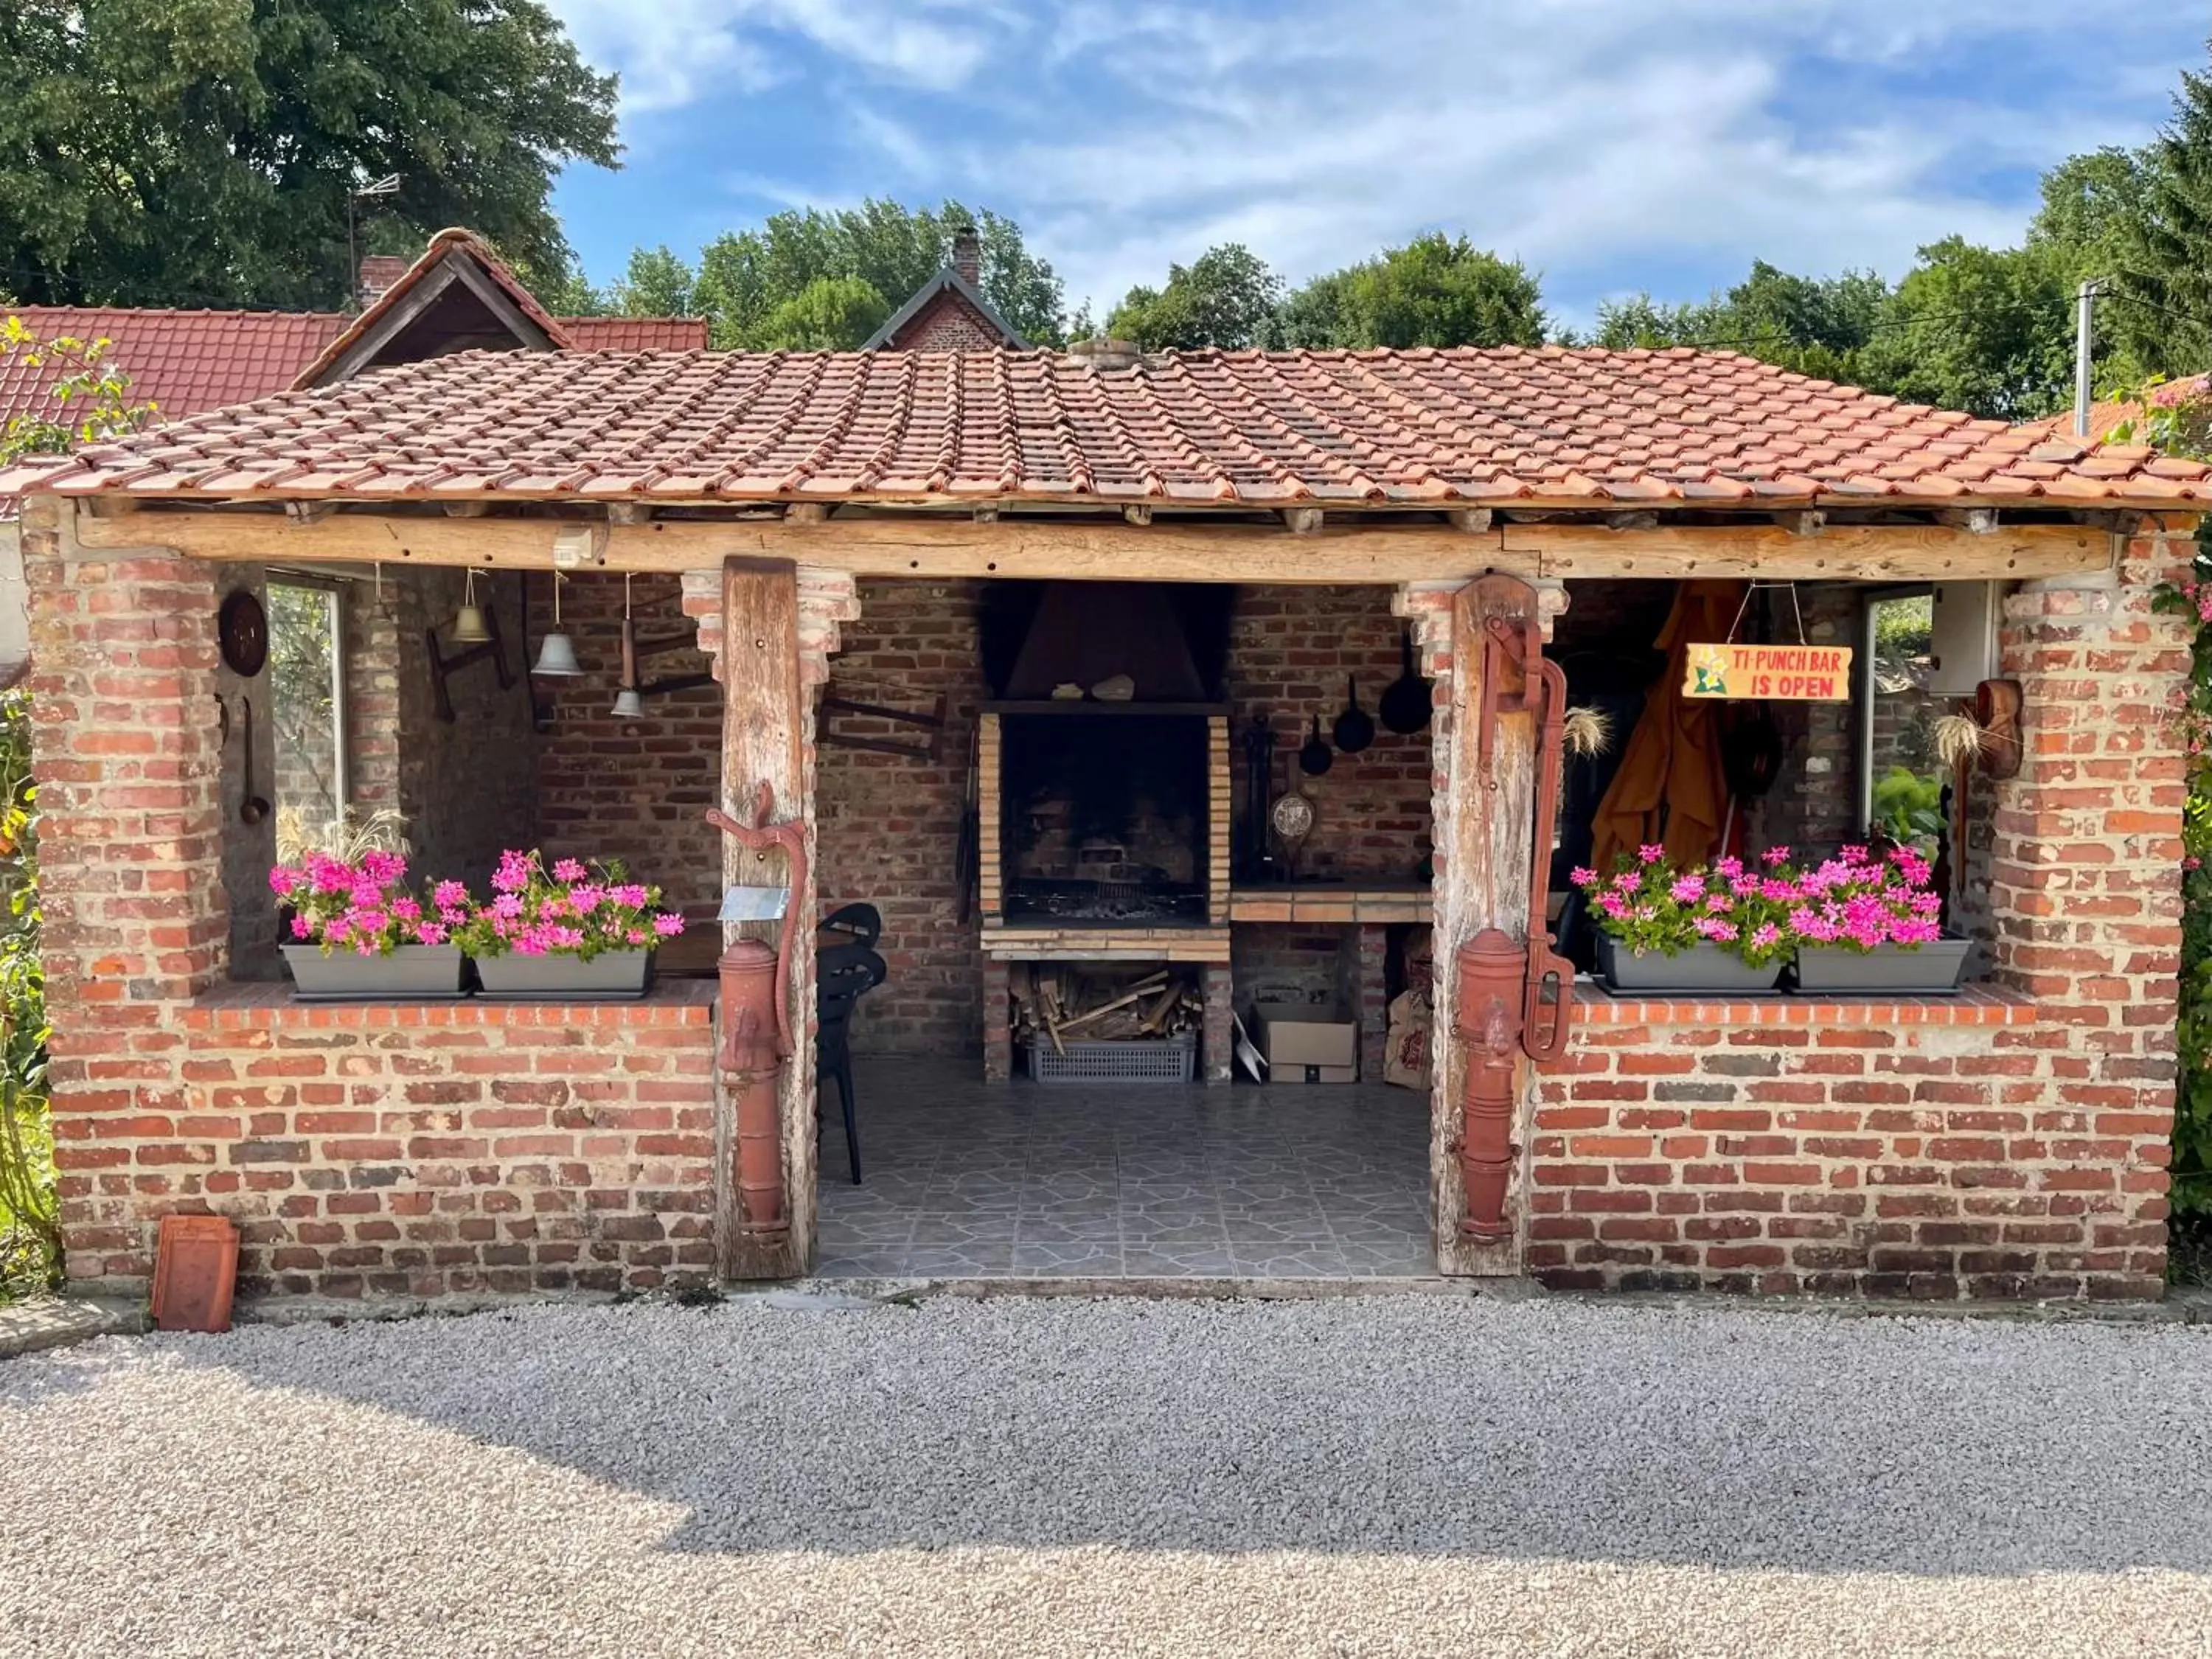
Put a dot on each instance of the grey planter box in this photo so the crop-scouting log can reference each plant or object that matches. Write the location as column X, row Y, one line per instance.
column 1929, row 969
column 609, row 974
column 1704, row 968
column 411, row 972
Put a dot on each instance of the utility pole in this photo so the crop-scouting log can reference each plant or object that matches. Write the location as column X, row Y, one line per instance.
column 2085, row 341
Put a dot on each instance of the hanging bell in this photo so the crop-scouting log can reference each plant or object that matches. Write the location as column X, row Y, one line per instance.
column 557, row 657
column 469, row 627
column 629, row 706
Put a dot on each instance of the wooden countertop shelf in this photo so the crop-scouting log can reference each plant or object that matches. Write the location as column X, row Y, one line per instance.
column 1366, row 903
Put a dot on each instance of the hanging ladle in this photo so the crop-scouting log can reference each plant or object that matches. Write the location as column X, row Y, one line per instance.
column 253, row 809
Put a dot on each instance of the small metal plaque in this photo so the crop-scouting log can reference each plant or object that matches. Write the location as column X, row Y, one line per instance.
column 755, row 904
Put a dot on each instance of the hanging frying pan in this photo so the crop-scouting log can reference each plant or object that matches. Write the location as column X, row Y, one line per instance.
column 1405, row 704
column 1314, row 758
column 1354, row 729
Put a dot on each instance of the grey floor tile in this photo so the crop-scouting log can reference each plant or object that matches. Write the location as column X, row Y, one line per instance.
column 1177, row 1261
column 1290, row 1261
column 934, row 1228
column 1084, row 1259
column 1063, row 1227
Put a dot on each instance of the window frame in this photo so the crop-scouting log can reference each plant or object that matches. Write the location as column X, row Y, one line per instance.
column 1863, row 689
column 341, row 681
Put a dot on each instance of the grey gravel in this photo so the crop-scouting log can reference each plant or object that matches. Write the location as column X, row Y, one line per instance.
column 1389, row 1475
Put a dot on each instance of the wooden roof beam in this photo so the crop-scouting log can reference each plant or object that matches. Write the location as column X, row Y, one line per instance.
column 947, row 546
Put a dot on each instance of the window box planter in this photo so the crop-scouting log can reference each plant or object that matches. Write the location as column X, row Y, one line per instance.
column 609, row 974
column 1929, row 969
column 1703, row 967
column 407, row 972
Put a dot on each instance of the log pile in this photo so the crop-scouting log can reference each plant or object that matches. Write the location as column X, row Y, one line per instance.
column 1059, row 1002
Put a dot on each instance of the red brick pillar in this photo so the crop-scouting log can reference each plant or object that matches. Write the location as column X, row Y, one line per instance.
column 131, row 847
column 998, row 1036
column 2085, row 901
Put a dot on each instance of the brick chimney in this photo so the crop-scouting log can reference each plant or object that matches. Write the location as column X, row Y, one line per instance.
column 968, row 254
column 379, row 271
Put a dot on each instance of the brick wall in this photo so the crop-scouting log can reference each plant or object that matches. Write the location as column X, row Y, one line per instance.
column 637, row 790
column 948, row 323
column 383, row 1150
column 887, row 825
column 2015, row 1147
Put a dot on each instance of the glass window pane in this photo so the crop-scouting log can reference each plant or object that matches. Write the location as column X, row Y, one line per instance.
column 306, row 710
column 1906, row 781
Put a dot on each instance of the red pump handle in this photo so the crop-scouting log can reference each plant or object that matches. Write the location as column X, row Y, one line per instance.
column 791, row 837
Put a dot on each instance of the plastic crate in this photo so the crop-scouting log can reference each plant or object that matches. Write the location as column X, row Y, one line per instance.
column 1139, row 1059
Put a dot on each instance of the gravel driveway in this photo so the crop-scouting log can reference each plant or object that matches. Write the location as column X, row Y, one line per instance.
column 1386, row 1476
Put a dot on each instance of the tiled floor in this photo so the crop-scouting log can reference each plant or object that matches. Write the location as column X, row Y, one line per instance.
column 968, row 1179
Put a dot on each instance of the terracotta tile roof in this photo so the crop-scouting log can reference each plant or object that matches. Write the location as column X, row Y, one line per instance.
column 636, row 333
column 1509, row 427
column 184, row 361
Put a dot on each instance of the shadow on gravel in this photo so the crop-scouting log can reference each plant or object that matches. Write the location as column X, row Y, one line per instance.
column 1412, row 1426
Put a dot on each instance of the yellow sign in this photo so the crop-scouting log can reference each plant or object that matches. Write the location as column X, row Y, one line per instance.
column 1780, row 673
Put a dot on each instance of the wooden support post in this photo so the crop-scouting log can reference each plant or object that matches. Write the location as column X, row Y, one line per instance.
column 762, row 741
column 1482, row 881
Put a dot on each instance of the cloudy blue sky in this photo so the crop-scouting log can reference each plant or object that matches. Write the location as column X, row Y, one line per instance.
column 1612, row 144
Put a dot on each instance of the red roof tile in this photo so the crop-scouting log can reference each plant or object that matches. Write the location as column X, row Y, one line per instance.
column 1506, row 427
column 636, row 333
column 184, row 363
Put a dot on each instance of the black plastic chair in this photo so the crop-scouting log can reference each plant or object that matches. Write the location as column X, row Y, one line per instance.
column 843, row 974
column 855, row 924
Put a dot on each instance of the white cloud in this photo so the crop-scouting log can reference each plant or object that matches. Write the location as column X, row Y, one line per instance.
column 1586, row 136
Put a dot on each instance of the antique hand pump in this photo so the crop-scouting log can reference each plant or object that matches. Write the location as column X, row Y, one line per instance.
column 1514, row 999
column 755, row 997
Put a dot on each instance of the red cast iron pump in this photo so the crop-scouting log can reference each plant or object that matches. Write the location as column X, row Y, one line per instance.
column 757, row 1040
column 1511, row 996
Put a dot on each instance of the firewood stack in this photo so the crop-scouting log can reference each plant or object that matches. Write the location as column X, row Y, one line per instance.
column 1058, row 1004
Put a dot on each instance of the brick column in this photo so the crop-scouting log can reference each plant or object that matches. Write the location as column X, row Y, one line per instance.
column 1215, row 1061
column 2085, row 901
column 130, row 808
column 1371, row 998
column 998, row 1036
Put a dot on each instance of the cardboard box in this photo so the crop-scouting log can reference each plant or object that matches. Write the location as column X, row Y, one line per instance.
column 1306, row 1042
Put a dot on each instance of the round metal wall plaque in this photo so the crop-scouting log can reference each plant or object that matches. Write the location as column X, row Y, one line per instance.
column 1292, row 817
column 242, row 630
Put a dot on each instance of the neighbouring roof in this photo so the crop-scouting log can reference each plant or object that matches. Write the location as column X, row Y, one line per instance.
column 949, row 282
column 185, row 362
column 1508, row 426
column 2105, row 417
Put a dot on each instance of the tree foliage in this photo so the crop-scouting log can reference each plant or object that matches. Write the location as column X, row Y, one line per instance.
column 199, row 152
column 1814, row 324
column 1434, row 291
column 809, row 275
column 1225, row 297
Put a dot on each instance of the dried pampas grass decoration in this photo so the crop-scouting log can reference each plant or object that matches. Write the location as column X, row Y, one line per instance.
column 1956, row 738
column 1587, row 730
column 344, row 838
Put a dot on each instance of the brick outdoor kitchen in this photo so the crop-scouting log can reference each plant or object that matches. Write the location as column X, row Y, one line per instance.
column 892, row 526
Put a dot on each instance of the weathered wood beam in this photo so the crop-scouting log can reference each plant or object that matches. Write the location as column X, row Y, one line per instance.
column 1806, row 521
column 763, row 713
column 1645, row 520
column 1102, row 549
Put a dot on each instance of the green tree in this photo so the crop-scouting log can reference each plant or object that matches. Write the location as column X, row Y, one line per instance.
column 1225, row 297
column 2162, row 285
column 830, row 313
column 1986, row 330
column 200, row 152
column 657, row 284
column 747, row 280
column 1814, row 325
column 1434, row 291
